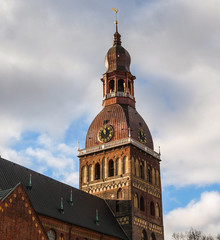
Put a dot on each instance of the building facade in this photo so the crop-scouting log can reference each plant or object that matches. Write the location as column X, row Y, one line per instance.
column 119, row 163
column 120, row 184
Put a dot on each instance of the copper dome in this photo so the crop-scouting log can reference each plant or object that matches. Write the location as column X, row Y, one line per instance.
column 121, row 118
column 117, row 58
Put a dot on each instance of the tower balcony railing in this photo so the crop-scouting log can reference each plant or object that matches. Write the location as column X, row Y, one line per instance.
column 118, row 94
column 117, row 143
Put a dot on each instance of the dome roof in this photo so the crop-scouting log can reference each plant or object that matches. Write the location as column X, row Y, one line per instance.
column 117, row 57
column 121, row 118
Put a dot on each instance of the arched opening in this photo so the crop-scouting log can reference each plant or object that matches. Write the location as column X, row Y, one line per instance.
column 141, row 170
column 124, row 165
column 149, row 171
column 129, row 86
column 153, row 176
column 137, row 168
column 136, row 200
column 157, row 210
column 61, row 237
column 121, row 85
column 84, row 174
column 111, row 168
column 157, row 178
column 97, row 171
column 90, row 173
column 117, row 167
column 119, row 193
column 153, row 237
column 142, row 208
column 51, row 234
column 152, row 209
column 103, row 168
column 144, row 235
column 111, row 86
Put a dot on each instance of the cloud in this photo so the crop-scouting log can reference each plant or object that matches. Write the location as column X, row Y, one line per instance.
column 202, row 214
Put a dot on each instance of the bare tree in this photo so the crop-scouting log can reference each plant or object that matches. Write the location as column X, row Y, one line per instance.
column 193, row 234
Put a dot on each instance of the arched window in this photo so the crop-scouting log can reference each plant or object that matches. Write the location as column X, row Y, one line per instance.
column 120, row 85
column 119, row 193
column 111, row 168
column 153, row 176
column 103, row 168
column 137, row 168
column 111, row 86
column 157, row 210
column 144, row 235
column 61, row 237
column 153, row 237
column 97, row 171
column 152, row 209
column 136, row 200
column 149, row 171
column 157, row 178
column 90, row 173
column 141, row 170
column 84, row 174
column 124, row 165
column 117, row 167
column 129, row 86
column 142, row 204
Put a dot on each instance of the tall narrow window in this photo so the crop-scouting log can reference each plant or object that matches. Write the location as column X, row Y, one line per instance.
column 141, row 170
column 119, row 193
column 144, row 235
column 136, row 200
column 153, row 237
column 90, row 173
column 149, row 171
column 111, row 86
column 97, row 171
column 120, row 85
column 111, row 168
column 129, row 86
column 157, row 210
column 153, row 176
column 124, row 165
column 152, row 209
column 142, row 204
column 117, row 167
column 103, row 168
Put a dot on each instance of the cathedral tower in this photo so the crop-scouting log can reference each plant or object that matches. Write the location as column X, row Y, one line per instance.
column 119, row 163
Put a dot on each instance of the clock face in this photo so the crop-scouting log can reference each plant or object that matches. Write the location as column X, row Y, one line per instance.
column 105, row 133
column 142, row 136
column 51, row 235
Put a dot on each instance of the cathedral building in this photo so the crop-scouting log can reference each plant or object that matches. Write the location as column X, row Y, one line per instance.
column 120, row 183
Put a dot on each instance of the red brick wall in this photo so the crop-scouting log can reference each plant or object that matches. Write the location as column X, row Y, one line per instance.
column 18, row 218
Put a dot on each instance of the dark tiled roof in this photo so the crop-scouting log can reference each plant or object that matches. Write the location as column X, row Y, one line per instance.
column 6, row 192
column 46, row 194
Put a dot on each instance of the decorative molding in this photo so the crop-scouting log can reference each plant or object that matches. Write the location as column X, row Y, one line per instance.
column 120, row 142
column 105, row 186
column 123, row 220
column 147, row 225
column 55, row 227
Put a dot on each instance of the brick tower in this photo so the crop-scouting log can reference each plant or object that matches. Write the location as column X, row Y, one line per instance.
column 119, row 163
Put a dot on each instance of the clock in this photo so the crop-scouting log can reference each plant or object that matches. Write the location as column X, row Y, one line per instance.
column 51, row 235
column 142, row 136
column 105, row 133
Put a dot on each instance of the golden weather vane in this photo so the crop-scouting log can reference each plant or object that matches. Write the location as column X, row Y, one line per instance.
column 116, row 11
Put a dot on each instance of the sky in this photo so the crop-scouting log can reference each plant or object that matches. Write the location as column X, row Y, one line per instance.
column 52, row 59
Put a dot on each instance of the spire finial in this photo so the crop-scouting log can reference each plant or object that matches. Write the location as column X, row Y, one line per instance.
column 29, row 187
column 159, row 151
column 61, row 206
column 97, row 217
column 116, row 21
column 71, row 198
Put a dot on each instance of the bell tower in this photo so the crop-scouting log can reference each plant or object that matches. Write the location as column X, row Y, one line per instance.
column 119, row 163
